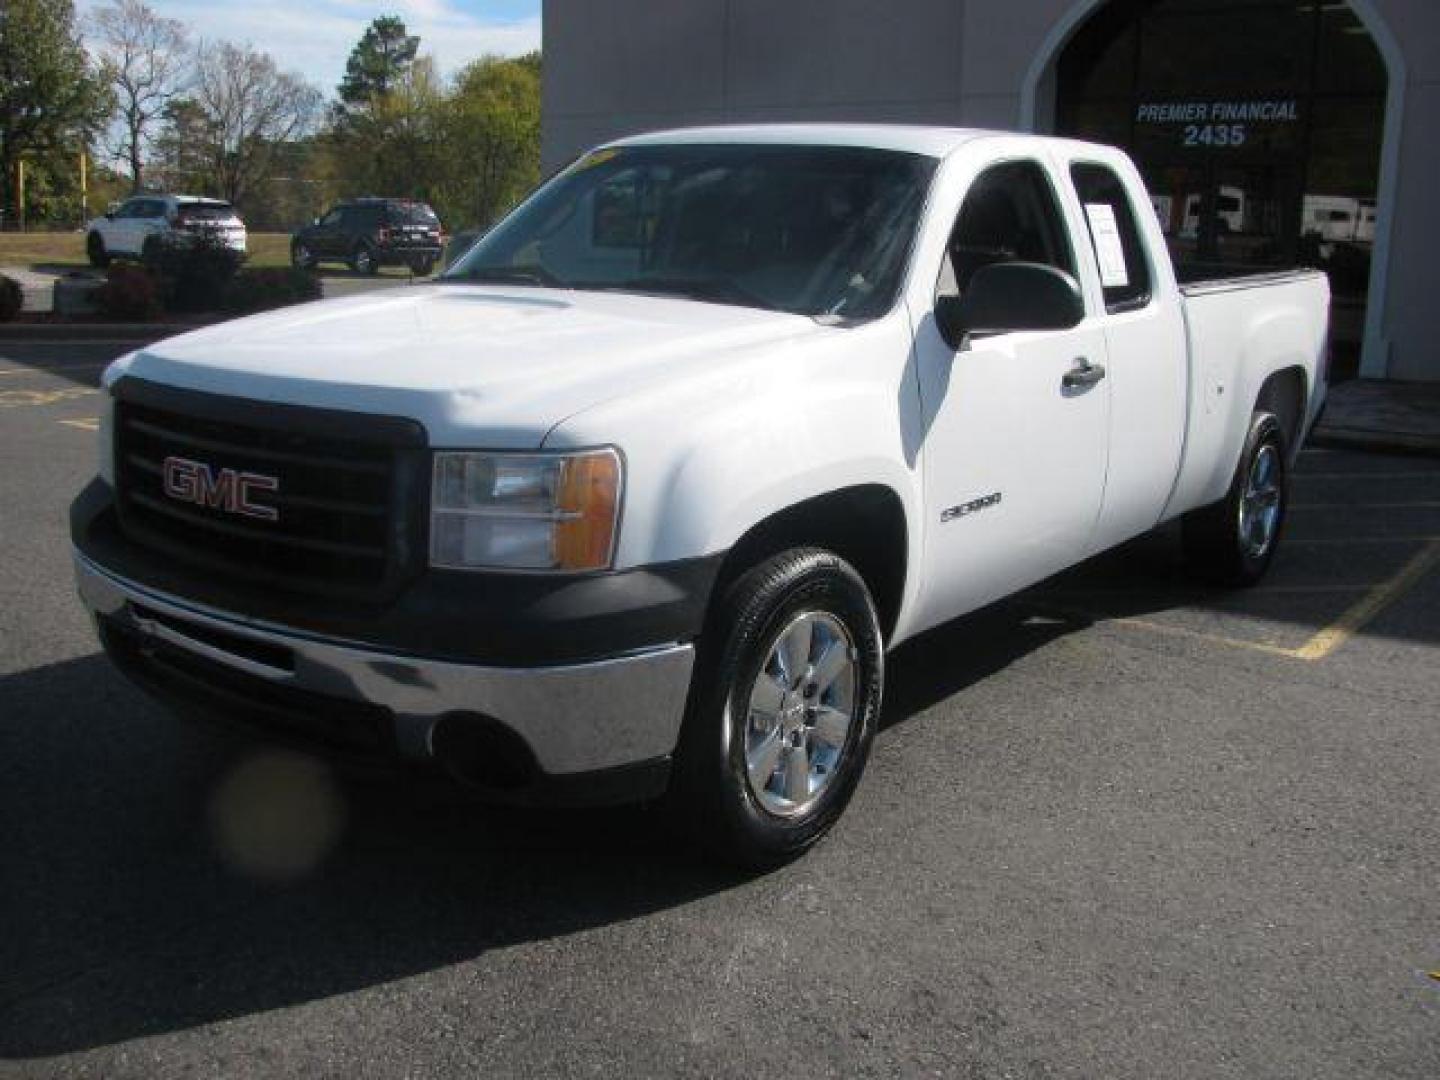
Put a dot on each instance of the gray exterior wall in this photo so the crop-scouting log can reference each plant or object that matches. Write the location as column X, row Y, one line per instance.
column 614, row 67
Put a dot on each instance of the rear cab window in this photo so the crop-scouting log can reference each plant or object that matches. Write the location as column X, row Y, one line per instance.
column 1125, row 274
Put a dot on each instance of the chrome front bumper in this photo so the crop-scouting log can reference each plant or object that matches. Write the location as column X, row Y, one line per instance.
column 575, row 718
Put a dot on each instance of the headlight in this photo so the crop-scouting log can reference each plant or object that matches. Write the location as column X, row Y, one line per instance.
column 525, row 511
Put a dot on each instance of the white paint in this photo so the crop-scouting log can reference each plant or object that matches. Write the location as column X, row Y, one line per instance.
column 725, row 415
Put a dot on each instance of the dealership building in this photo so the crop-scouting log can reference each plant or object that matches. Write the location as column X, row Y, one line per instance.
column 1269, row 132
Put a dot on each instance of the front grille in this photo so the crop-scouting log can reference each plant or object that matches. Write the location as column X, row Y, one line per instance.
column 348, row 504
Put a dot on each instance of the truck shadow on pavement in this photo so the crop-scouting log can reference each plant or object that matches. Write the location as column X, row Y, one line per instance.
column 124, row 917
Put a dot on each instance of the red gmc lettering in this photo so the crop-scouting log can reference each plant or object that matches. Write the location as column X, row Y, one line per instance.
column 229, row 490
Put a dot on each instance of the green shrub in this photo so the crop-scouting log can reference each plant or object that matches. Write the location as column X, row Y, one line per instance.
column 130, row 294
column 12, row 298
column 261, row 290
column 194, row 274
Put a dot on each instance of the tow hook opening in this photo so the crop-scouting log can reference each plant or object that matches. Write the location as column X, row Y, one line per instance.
column 480, row 751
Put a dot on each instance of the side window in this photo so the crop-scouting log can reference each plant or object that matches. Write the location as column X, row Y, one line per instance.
column 1119, row 250
column 1010, row 214
column 130, row 208
column 151, row 209
column 618, row 220
column 331, row 218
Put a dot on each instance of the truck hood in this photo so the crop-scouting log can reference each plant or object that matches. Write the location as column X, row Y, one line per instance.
column 479, row 366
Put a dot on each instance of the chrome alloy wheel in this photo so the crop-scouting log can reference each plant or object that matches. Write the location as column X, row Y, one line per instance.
column 1260, row 502
column 802, row 706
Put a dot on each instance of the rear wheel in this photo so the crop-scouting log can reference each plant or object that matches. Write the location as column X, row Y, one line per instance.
column 422, row 266
column 783, row 710
column 95, row 251
column 1232, row 542
column 363, row 261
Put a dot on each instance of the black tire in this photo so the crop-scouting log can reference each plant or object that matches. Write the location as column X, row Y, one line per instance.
column 711, row 793
column 301, row 257
column 1222, row 540
column 363, row 261
column 95, row 251
column 151, row 252
column 422, row 267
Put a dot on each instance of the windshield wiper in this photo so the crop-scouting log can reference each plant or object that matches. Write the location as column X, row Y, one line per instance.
column 533, row 274
column 716, row 290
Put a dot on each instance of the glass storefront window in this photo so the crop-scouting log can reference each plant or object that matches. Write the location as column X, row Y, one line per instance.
column 1256, row 123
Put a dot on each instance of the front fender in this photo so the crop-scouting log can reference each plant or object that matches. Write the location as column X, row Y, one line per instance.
column 714, row 453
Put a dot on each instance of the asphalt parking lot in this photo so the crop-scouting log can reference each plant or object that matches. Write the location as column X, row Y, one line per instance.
column 1119, row 827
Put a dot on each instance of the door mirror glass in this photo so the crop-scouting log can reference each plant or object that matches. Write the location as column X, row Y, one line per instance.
column 1008, row 297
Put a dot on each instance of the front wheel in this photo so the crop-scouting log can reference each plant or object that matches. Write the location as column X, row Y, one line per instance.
column 785, row 704
column 363, row 261
column 1232, row 542
column 95, row 251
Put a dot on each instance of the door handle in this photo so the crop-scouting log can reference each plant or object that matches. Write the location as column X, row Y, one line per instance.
column 1084, row 373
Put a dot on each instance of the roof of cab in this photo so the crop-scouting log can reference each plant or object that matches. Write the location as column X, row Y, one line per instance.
column 915, row 139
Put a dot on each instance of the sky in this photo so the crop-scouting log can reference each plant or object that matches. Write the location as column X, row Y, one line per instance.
column 314, row 37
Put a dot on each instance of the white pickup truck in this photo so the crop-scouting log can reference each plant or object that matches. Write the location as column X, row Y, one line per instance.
column 634, row 500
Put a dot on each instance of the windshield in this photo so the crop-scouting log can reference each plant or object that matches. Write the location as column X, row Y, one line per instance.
column 818, row 231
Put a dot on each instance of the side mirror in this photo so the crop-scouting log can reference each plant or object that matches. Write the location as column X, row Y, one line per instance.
column 109, row 215
column 315, row 221
column 1006, row 297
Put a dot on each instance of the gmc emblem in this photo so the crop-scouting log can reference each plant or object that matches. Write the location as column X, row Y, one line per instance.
column 228, row 489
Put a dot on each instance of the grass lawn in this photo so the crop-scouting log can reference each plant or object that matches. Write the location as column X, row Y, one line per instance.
column 66, row 251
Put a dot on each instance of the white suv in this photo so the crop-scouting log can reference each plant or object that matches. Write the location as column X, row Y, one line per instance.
column 136, row 227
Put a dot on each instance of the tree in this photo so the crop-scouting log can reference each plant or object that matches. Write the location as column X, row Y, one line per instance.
column 51, row 98
column 179, row 158
column 493, row 136
column 393, row 146
column 250, row 108
column 378, row 63
column 144, row 57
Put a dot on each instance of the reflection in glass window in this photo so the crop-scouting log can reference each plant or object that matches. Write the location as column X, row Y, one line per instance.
column 1257, row 125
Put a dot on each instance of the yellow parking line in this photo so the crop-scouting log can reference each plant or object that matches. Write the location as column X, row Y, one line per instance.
column 50, row 368
column 1201, row 635
column 88, row 424
column 1321, row 644
column 1349, row 624
column 10, row 399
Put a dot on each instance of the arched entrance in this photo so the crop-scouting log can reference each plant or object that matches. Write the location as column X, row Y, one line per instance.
column 1264, row 128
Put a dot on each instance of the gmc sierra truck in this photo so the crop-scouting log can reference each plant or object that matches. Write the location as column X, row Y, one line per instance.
column 631, row 503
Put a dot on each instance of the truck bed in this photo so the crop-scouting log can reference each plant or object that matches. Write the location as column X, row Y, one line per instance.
column 1231, row 323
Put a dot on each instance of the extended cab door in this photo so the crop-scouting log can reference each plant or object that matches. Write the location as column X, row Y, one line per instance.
column 1144, row 338
column 1014, row 454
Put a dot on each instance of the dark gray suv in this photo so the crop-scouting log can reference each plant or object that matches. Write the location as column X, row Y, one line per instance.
column 367, row 234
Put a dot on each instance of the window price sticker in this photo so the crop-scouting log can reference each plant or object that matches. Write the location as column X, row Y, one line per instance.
column 1109, row 252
